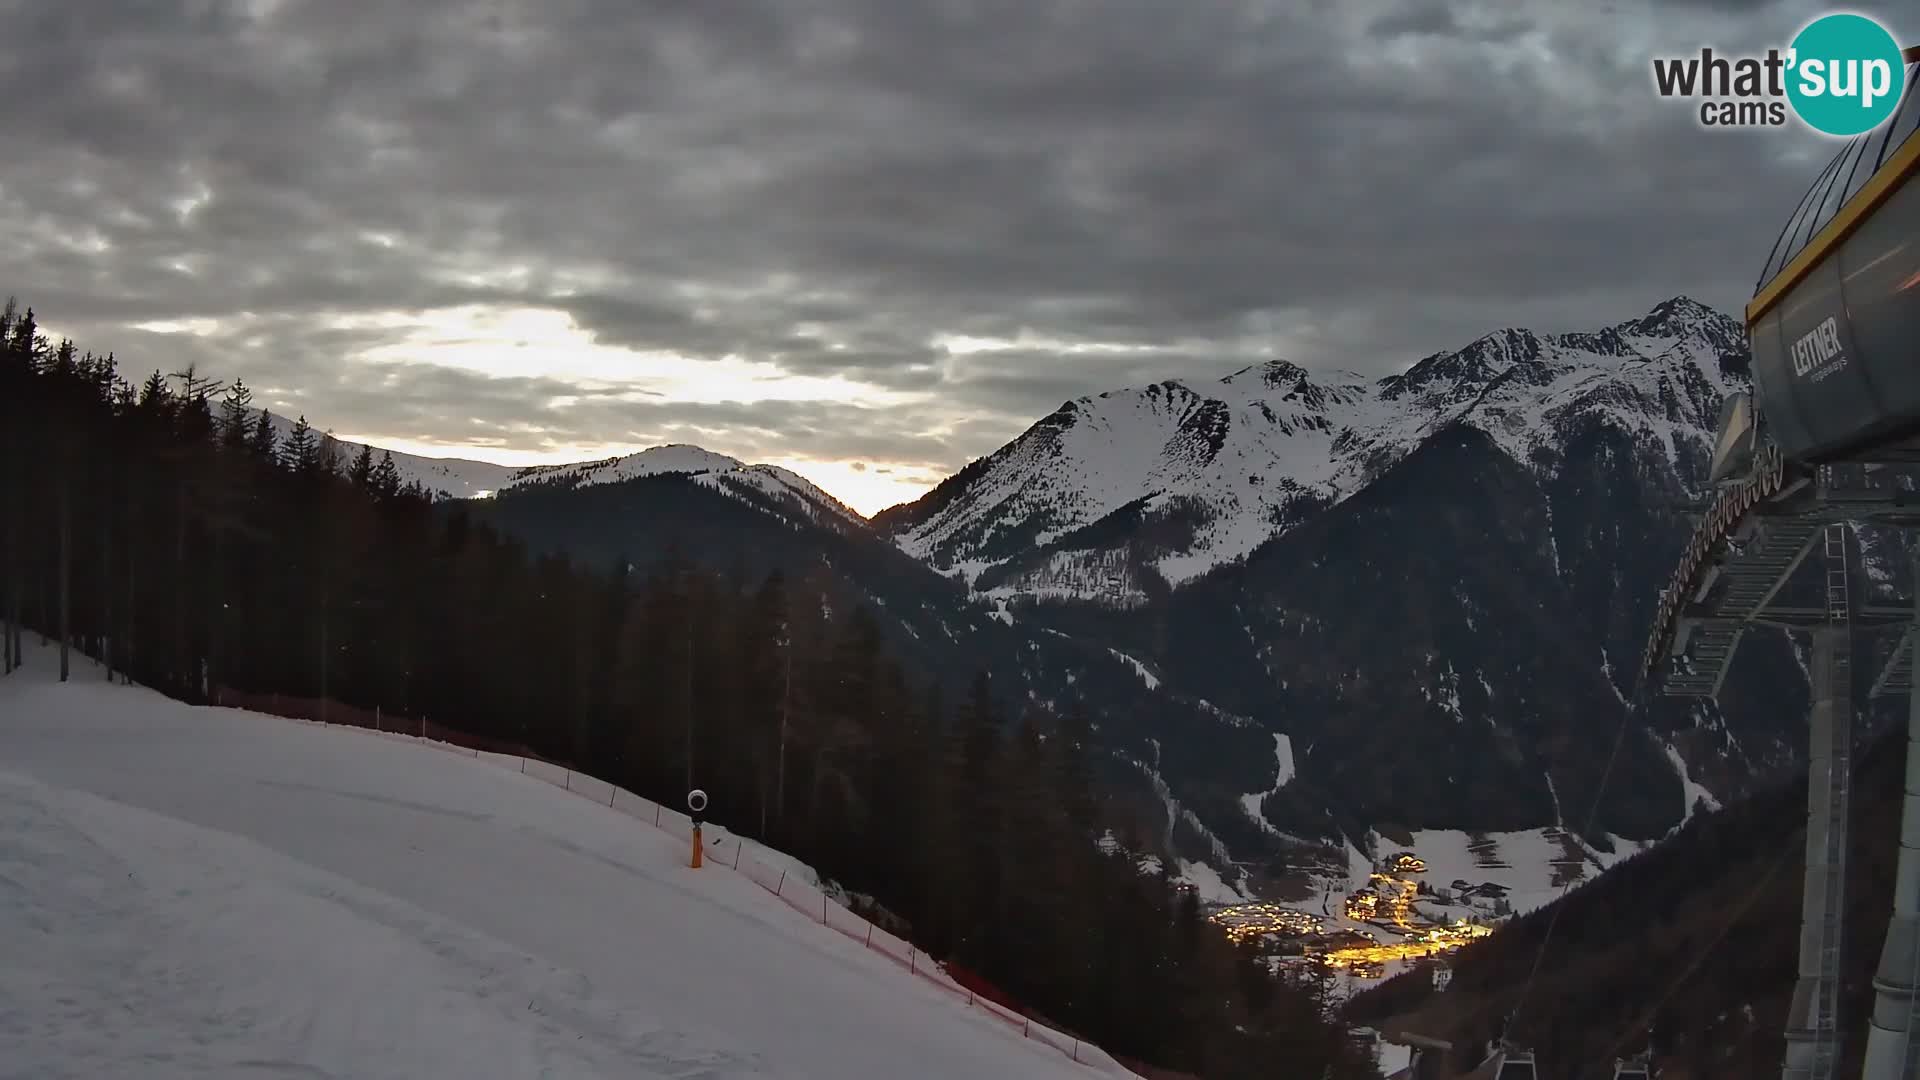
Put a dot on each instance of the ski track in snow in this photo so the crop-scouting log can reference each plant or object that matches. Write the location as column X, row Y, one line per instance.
column 191, row 892
column 1283, row 763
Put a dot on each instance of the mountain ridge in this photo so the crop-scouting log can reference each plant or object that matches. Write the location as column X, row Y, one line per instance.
column 465, row 478
column 1218, row 461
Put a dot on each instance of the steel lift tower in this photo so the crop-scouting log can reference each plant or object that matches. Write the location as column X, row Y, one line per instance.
column 1834, row 327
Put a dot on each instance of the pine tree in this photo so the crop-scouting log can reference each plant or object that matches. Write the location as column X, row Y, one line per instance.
column 1073, row 772
column 976, row 824
column 361, row 475
column 386, row 477
column 235, row 420
column 326, row 457
column 156, row 397
column 263, row 442
column 27, row 345
column 300, row 453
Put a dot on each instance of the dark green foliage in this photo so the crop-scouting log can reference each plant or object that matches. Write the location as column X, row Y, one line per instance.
column 193, row 554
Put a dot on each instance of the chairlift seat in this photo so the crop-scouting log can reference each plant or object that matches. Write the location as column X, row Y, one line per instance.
column 1636, row 1069
column 1517, row 1065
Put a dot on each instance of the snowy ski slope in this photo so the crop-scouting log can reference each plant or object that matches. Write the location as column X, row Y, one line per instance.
column 209, row 892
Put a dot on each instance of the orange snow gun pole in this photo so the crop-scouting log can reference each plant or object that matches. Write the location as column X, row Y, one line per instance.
column 696, row 804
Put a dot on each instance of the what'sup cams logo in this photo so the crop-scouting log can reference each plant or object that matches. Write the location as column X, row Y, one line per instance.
column 1843, row 74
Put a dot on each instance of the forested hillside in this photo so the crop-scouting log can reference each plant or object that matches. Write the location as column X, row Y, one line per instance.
column 168, row 531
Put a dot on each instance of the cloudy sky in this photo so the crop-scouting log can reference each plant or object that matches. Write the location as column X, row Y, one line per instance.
column 868, row 239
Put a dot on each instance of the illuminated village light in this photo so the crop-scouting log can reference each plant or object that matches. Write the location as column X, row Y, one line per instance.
column 1386, row 901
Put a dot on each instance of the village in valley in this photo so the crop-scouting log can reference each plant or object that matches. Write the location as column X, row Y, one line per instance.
column 1396, row 918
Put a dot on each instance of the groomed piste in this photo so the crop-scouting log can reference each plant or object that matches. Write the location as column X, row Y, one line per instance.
column 212, row 892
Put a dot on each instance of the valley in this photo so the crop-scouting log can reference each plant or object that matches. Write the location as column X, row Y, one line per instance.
column 1227, row 575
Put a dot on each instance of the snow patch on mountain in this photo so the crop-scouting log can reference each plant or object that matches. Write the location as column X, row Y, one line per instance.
column 1178, row 815
column 1696, row 793
column 1071, row 575
column 1283, row 762
column 1524, row 863
column 1208, row 884
column 785, row 487
column 1230, row 719
column 1140, row 669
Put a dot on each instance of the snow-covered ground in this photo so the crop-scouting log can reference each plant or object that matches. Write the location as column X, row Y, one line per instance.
column 1524, row 863
column 1521, row 862
column 209, row 892
column 1207, row 882
column 1694, row 792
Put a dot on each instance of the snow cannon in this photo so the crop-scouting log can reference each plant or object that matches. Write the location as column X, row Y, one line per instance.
column 696, row 804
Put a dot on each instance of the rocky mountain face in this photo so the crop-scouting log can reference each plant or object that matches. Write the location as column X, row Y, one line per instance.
column 1160, row 485
column 1432, row 584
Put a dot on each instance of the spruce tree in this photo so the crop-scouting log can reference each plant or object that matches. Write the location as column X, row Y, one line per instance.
column 263, row 442
column 235, row 417
column 361, row 475
column 299, row 454
column 386, row 477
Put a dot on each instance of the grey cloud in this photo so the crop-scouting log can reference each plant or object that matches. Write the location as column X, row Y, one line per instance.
column 1420, row 19
column 831, row 185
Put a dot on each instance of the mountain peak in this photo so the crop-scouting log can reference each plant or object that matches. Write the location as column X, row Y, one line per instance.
column 670, row 458
column 1464, row 372
column 1173, row 479
column 1680, row 316
column 1682, row 304
column 1272, row 373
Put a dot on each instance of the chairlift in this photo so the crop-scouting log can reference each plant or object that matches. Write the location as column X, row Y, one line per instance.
column 1517, row 1065
column 1637, row 1067
column 1508, row 1062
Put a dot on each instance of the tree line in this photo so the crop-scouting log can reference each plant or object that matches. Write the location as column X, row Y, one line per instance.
column 168, row 530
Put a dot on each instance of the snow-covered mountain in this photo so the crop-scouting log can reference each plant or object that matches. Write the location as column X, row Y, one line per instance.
column 459, row 478
column 444, row 478
column 762, row 484
column 1419, row 582
column 1114, row 495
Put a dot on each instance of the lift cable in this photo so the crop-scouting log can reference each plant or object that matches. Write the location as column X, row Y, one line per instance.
column 1736, row 913
column 1593, row 814
column 1642, row 694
